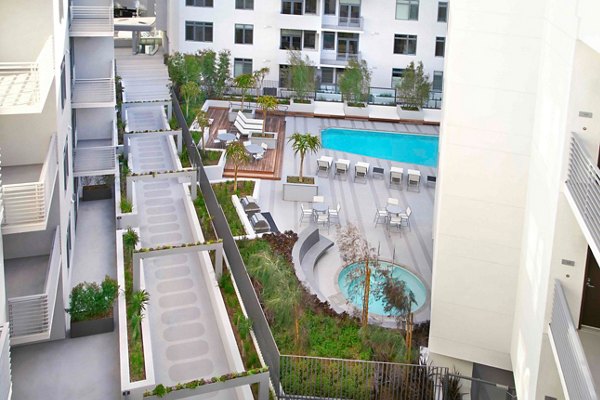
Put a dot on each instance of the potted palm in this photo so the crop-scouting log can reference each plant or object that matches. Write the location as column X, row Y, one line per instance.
column 266, row 103
column 413, row 92
column 91, row 307
column 302, row 188
column 354, row 85
column 236, row 153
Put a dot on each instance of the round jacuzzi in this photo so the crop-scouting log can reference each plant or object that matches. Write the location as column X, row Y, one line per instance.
column 349, row 277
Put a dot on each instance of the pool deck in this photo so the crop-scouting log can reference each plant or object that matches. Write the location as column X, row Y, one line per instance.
column 359, row 201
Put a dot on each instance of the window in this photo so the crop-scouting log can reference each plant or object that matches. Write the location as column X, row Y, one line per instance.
column 442, row 11
column 328, row 40
column 310, row 39
column 198, row 31
column 440, row 46
column 405, row 44
column 397, row 74
column 242, row 66
column 244, row 33
column 407, row 9
column 66, row 164
column 244, row 4
column 284, row 77
column 291, row 7
column 329, row 7
column 291, row 39
column 199, row 3
column 327, row 76
column 438, row 81
column 68, row 243
column 310, row 6
column 63, row 85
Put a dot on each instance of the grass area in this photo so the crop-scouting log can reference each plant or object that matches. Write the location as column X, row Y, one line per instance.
column 205, row 220
column 137, row 370
column 184, row 157
column 311, row 328
column 223, row 191
column 210, row 157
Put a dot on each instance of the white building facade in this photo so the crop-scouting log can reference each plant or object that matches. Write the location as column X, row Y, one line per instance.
column 515, row 268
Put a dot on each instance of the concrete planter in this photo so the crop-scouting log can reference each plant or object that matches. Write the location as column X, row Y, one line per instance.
column 271, row 141
column 97, row 192
column 300, row 191
column 92, row 327
column 215, row 172
column 410, row 115
column 307, row 108
column 357, row 112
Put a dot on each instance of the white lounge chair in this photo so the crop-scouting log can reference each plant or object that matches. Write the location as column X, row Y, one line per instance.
column 324, row 163
column 361, row 170
column 414, row 179
column 396, row 176
column 342, row 166
column 248, row 121
column 305, row 212
column 245, row 130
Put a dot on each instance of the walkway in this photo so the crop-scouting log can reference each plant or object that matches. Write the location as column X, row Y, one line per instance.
column 186, row 341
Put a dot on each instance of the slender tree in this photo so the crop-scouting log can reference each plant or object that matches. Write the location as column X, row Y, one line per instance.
column 189, row 91
column 259, row 78
column 183, row 68
column 414, row 87
column 208, row 70
column 236, row 153
column 222, row 75
column 202, row 118
column 355, row 81
column 301, row 74
column 244, row 82
column 267, row 103
column 302, row 144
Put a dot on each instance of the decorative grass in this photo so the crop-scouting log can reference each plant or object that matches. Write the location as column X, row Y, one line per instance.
column 137, row 370
column 210, row 157
column 223, row 191
column 309, row 180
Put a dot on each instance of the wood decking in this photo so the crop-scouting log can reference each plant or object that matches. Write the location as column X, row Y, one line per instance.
column 267, row 168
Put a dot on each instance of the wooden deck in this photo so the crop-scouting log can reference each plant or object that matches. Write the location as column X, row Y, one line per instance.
column 267, row 168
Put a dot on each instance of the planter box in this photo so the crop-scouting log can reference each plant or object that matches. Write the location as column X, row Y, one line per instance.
column 92, row 327
column 271, row 142
column 97, row 192
column 308, row 108
column 215, row 172
column 410, row 115
column 300, row 191
column 358, row 112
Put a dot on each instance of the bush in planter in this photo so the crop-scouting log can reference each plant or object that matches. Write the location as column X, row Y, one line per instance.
column 354, row 83
column 303, row 143
column 301, row 76
column 414, row 87
column 90, row 301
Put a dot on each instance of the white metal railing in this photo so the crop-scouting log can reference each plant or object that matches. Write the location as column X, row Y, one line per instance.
column 351, row 22
column 27, row 83
column 32, row 315
column 94, row 90
column 91, row 19
column 94, row 159
column 5, row 374
column 583, row 182
column 568, row 350
column 29, row 203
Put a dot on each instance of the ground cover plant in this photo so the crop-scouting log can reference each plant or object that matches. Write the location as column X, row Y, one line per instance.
column 223, row 191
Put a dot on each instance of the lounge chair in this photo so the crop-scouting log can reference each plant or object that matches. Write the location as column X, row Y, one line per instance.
column 361, row 170
column 248, row 121
column 396, row 176
column 341, row 167
column 414, row 179
column 246, row 131
column 324, row 163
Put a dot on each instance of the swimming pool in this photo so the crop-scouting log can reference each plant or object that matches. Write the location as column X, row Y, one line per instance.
column 402, row 147
column 348, row 280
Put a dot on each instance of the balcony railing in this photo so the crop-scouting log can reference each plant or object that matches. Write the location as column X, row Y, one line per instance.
column 5, row 374
column 31, row 316
column 340, row 59
column 350, row 22
column 94, row 92
column 94, row 160
column 24, row 86
column 583, row 184
column 29, row 203
column 87, row 21
column 568, row 351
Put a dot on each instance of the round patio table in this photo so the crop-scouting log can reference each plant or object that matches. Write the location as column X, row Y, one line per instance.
column 320, row 207
column 254, row 149
column 226, row 137
column 393, row 209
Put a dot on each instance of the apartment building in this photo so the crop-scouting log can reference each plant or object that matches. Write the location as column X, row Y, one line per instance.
column 57, row 127
column 516, row 242
column 388, row 34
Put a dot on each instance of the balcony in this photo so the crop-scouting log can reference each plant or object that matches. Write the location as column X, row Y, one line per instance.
column 345, row 24
column 91, row 21
column 94, row 157
column 27, row 193
column 333, row 59
column 571, row 360
column 94, row 92
column 583, row 193
column 32, row 285
column 24, row 86
column 5, row 374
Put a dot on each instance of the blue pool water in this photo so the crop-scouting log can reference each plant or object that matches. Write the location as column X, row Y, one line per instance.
column 348, row 280
column 402, row 147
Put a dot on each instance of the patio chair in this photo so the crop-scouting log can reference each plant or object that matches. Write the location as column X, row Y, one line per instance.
column 414, row 179
column 405, row 218
column 393, row 201
column 217, row 142
column 361, row 169
column 394, row 221
column 335, row 213
column 247, row 143
column 219, row 131
column 264, row 146
column 318, row 199
column 305, row 212
column 258, row 156
column 396, row 176
column 341, row 167
column 323, row 164
column 381, row 216
column 323, row 218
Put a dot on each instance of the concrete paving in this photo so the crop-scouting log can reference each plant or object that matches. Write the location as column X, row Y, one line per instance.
column 412, row 249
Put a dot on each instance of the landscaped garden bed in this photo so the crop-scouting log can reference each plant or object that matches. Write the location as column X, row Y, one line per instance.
column 223, row 191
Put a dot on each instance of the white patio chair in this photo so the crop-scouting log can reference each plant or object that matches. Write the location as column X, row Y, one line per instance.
column 264, row 146
column 393, row 201
column 396, row 176
column 381, row 216
column 395, row 220
column 318, row 199
column 405, row 218
column 258, row 156
column 335, row 213
column 323, row 218
column 219, row 131
column 247, row 143
column 306, row 212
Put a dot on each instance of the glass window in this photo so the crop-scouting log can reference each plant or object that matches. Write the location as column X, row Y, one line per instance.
column 198, row 31
column 442, row 12
column 328, row 40
column 405, row 44
column 397, row 74
column 244, row 4
column 63, row 85
column 284, row 75
column 407, row 9
column 310, row 6
column 329, row 7
column 242, row 66
column 291, row 7
column 438, row 81
column 199, row 3
column 310, row 39
column 66, row 164
column 440, row 46
column 291, row 39
column 68, row 243
column 244, row 34
column 327, row 76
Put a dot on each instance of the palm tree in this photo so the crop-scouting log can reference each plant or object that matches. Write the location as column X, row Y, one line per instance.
column 236, row 153
column 244, row 82
column 202, row 118
column 189, row 91
column 267, row 103
column 130, row 240
column 303, row 143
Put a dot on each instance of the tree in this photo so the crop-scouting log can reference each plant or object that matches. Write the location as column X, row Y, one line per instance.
column 183, row 68
column 208, row 70
column 267, row 103
column 189, row 91
column 236, row 153
column 244, row 82
column 414, row 87
column 259, row 77
column 303, row 143
column 355, row 81
column 354, row 248
column 202, row 118
column 222, row 74
column 301, row 74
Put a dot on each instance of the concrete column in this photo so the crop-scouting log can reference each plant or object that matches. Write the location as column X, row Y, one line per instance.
column 179, row 142
column 194, row 184
column 263, row 388
column 219, row 262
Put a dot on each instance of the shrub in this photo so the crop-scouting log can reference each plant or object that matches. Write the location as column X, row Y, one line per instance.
column 89, row 301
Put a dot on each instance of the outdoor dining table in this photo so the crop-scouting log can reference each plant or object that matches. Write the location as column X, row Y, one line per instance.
column 254, row 149
column 320, row 207
column 226, row 137
column 392, row 209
